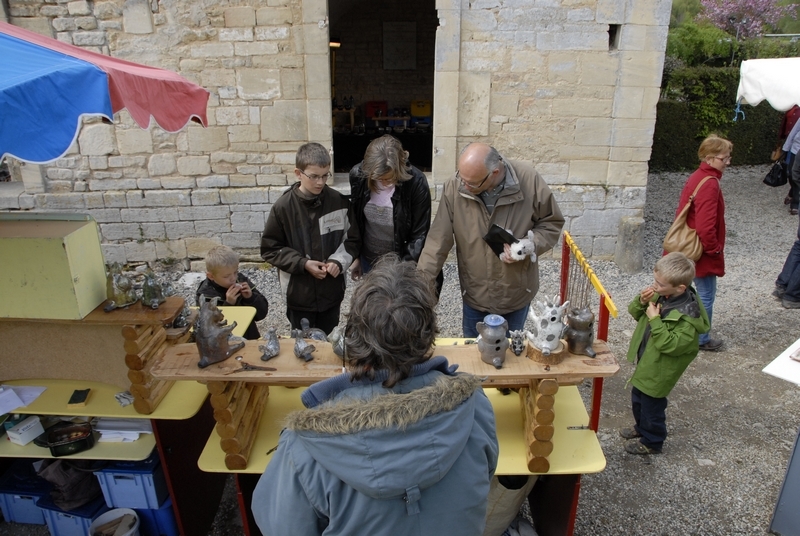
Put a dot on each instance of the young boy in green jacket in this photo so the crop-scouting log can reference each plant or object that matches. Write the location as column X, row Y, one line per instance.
column 670, row 319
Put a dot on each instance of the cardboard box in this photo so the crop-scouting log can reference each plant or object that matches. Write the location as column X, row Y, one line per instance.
column 51, row 266
column 26, row 431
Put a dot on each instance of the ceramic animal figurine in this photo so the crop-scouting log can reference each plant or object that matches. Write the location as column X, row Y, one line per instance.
column 212, row 334
column 580, row 331
column 272, row 346
column 547, row 324
column 524, row 247
column 517, row 341
column 303, row 350
column 119, row 289
column 493, row 343
column 307, row 332
column 336, row 338
column 152, row 291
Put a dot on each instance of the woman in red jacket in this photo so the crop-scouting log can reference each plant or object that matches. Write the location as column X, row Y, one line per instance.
column 707, row 217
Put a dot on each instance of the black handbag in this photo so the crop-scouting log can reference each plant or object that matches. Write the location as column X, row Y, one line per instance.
column 778, row 175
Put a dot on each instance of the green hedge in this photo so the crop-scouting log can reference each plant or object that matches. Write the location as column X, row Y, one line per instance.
column 699, row 101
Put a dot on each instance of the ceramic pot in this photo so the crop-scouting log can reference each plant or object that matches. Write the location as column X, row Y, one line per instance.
column 493, row 343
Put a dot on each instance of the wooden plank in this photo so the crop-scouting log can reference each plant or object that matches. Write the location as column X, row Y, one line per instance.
column 137, row 314
column 146, row 406
column 180, row 363
column 134, row 346
column 155, row 346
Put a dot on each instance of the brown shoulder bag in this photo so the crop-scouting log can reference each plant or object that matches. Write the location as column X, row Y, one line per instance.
column 680, row 237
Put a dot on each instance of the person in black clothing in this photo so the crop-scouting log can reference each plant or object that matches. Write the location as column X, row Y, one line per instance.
column 391, row 204
column 224, row 281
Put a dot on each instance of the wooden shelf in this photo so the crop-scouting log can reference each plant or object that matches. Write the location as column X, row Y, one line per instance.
column 133, row 451
column 577, row 451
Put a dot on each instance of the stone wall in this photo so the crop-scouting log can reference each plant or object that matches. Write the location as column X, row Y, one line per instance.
column 569, row 84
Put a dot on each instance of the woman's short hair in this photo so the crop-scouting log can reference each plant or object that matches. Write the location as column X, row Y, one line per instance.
column 385, row 155
column 714, row 145
column 392, row 322
column 676, row 268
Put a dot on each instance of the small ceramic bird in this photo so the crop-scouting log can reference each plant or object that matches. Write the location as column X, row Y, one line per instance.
column 272, row 346
column 303, row 350
column 337, row 341
column 312, row 333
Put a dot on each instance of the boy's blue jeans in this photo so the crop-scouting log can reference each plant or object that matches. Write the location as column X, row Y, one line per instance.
column 706, row 290
column 470, row 317
column 651, row 418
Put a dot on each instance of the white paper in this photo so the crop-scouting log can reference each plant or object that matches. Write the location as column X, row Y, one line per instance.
column 784, row 367
column 9, row 401
column 26, row 393
column 110, row 424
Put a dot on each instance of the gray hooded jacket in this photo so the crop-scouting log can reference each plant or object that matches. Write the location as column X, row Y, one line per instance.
column 415, row 459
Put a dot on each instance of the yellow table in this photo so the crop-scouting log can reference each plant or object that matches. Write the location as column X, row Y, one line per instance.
column 578, row 448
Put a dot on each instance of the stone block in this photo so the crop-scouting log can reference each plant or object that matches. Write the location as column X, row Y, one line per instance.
column 627, row 173
column 586, row 108
column 134, row 199
column 285, row 121
column 112, row 184
column 179, row 229
column 243, row 133
column 554, row 172
column 205, row 197
column 270, row 16
column 641, row 68
column 649, row 102
column 212, row 181
column 211, row 50
column 582, row 152
column 610, row 11
column 197, row 248
column 114, row 253
column 218, row 77
column 212, row 227
column 272, row 33
column 89, row 39
column 93, row 200
column 142, row 215
column 45, row 11
column 448, row 41
column 633, row 37
column 584, row 38
column 525, row 59
column 98, row 162
column 587, row 172
column 134, row 141
column 633, row 132
column 126, row 161
column 319, row 119
column 315, row 11
column 194, row 165
column 246, row 196
column 206, row 140
column 653, row 13
column 629, row 253
column 167, row 198
column 153, row 231
column 292, row 83
column 114, row 199
column 242, row 16
column 137, row 17
column 247, row 221
column 140, row 251
column 86, row 23
column 628, row 102
column 656, row 38
column 96, row 140
column 507, row 105
column 178, row 183
column 599, row 69
column 171, row 249
column 203, row 213
column 240, row 180
column 120, row 231
column 232, row 115
column 562, row 68
column 599, row 222
column 80, row 7
column 318, row 77
column 604, row 247
column 276, row 193
column 473, row 104
column 626, row 197
column 315, row 39
column 162, row 164
column 40, row 25
column 630, row 154
column 593, row 131
column 64, row 24
column 263, row 84
column 445, row 155
column 272, row 180
column 242, row 240
column 258, row 48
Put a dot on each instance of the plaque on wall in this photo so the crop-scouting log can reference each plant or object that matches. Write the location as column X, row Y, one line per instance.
column 399, row 45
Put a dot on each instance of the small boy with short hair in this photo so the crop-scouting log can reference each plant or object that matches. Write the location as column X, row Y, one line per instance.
column 311, row 238
column 670, row 319
column 224, row 281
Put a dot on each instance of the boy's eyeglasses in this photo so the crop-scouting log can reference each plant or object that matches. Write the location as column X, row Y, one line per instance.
column 322, row 178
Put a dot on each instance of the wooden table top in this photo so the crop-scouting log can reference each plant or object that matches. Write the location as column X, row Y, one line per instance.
column 180, row 363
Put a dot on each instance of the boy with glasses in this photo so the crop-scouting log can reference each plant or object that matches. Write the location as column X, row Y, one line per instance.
column 309, row 237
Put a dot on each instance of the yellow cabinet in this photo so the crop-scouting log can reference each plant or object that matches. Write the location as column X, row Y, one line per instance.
column 51, row 266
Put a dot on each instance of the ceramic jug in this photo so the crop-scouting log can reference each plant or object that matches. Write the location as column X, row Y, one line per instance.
column 493, row 343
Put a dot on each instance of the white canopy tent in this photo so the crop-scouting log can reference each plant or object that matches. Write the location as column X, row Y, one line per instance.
column 775, row 80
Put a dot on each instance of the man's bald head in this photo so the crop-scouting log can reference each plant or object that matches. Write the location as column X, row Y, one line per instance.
column 479, row 160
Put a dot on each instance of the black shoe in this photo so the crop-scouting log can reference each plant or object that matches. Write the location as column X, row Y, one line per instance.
column 778, row 292
column 713, row 345
column 629, row 433
column 789, row 304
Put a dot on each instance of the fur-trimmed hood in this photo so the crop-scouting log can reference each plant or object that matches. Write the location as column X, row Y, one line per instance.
column 384, row 442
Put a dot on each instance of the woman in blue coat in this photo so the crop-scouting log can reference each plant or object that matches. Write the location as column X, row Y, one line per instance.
column 399, row 445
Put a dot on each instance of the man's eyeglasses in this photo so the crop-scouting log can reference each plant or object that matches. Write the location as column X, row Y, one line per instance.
column 322, row 178
column 470, row 186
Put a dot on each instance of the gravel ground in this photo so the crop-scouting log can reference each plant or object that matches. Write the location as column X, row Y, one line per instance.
column 731, row 426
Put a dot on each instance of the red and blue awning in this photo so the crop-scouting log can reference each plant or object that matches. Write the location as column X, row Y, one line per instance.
column 46, row 86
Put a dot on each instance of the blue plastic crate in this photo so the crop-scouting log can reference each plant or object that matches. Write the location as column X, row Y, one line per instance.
column 158, row 522
column 73, row 522
column 137, row 485
column 20, row 488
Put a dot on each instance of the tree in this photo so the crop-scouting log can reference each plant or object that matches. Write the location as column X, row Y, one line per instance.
column 745, row 18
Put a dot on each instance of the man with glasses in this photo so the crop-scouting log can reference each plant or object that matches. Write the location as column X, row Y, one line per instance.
column 310, row 238
column 487, row 189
